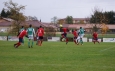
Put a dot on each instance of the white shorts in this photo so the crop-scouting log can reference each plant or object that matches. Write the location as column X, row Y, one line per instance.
column 31, row 37
column 82, row 35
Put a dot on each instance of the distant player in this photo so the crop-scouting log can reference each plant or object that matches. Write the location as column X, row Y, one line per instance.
column 22, row 28
column 31, row 34
column 81, row 35
column 95, row 37
column 20, row 36
column 64, row 34
column 75, row 34
column 40, row 33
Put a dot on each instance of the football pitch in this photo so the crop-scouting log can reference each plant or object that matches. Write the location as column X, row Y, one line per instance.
column 57, row 56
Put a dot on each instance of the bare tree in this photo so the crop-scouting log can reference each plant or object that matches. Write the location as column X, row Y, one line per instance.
column 97, row 19
column 54, row 20
column 16, row 14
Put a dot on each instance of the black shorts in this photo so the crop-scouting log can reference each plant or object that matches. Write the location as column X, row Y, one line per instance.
column 40, row 37
column 20, row 39
column 64, row 34
column 95, row 39
column 75, row 37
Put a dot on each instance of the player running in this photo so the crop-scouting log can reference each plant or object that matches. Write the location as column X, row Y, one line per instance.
column 95, row 37
column 75, row 34
column 20, row 36
column 40, row 33
column 31, row 34
column 81, row 35
column 22, row 28
column 64, row 35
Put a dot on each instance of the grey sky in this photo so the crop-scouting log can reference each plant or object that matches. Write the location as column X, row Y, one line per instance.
column 47, row 9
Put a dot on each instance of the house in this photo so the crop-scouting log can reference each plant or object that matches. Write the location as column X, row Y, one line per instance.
column 87, row 27
column 6, row 24
column 75, row 21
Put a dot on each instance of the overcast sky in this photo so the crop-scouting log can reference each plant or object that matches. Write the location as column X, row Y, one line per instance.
column 47, row 9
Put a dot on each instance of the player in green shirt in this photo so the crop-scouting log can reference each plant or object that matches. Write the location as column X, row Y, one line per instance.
column 31, row 34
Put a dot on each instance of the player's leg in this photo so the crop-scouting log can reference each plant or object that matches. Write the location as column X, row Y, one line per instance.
column 39, row 41
column 81, row 39
column 78, row 40
column 23, row 41
column 97, row 40
column 66, row 39
column 19, row 43
column 29, row 39
column 93, row 40
column 74, row 39
column 32, row 43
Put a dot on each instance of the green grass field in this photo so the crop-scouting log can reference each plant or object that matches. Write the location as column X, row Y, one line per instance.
column 57, row 56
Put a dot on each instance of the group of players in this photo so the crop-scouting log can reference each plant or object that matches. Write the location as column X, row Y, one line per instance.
column 30, row 34
column 78, row 36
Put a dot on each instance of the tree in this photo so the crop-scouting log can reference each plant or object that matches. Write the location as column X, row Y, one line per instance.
column 110, row 16
column 97, row 19
column 103, row 17
column 8, row 13
column 54, row 20
column 50, row 31
column 69, row 20
column 16, row 15
column 3, row 13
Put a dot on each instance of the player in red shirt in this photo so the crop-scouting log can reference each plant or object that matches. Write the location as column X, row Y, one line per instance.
column 20, row 36
column 40, row 33
column 64, row 34
column 75, row 34
column 95, row 37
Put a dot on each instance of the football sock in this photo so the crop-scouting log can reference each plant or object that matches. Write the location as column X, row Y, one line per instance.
column 18, row 44
column 28, row 43
column 75, row 41
column 32, row 43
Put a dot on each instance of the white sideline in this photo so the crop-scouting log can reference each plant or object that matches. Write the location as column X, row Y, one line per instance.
column 107, row 49
column 91, row 66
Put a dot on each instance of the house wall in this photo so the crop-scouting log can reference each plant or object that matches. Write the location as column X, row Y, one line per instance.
column 5, row 28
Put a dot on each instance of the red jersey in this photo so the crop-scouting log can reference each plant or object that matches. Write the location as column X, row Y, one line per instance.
column 40, row 32
column 22, row 34
column 75, row 33
column 95, row 35
column 64, row 30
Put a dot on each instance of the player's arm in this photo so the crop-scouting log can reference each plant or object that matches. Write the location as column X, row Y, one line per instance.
column 18, row 34
column 43, row 32
column 34, row 32
column 26, row 35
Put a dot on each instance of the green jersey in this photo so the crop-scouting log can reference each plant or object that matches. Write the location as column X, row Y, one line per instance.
column 30, row 31
column 81, row 31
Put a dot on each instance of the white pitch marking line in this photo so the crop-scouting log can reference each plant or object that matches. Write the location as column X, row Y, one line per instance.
column 62, row 65
column 107, row 49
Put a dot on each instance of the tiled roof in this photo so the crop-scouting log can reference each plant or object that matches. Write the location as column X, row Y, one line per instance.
column 6, row 23
column 37, row 24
